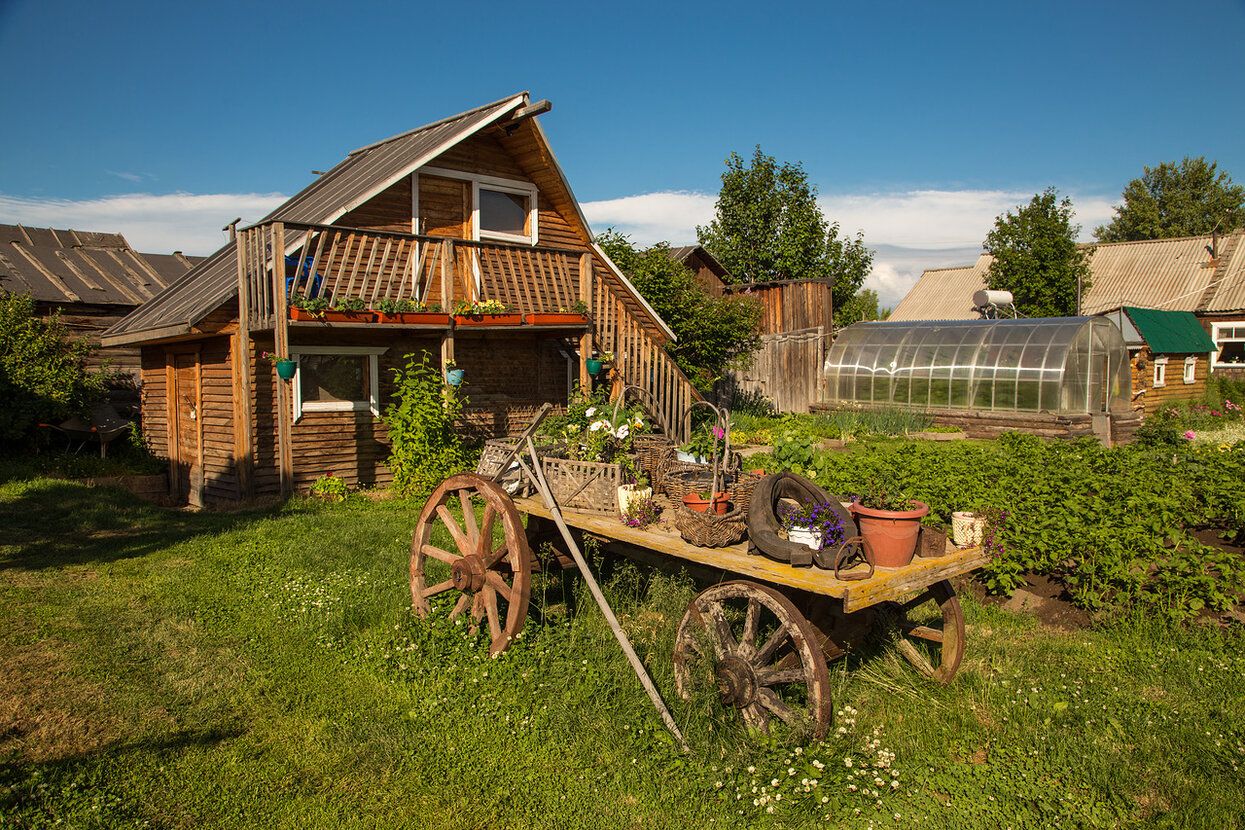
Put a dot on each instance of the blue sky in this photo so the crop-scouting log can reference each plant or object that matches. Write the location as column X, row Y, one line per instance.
column 918, row 122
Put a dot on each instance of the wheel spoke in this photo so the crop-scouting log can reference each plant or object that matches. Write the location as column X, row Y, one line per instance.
column 755, row 717
column 490, row 608
column 917, row 601
column 766, row 651
column 469, row 516
column 924, row 632
column 497, row 554
column 460, row 539
column 752, row 621
column 498, row 584
column 438, row 588
column 774, row 675
column 915, row 657
column 485, row 540
column 441, row 555
column 460, row 606
column 722, row 628
column 770, row 700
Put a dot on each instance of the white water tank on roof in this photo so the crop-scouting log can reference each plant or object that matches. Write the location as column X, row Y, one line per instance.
column 986, row 297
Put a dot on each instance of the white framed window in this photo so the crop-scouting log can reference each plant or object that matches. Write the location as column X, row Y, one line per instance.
column 1229, row 344
column 1160, row 372
column 336, row 379
column 1190, row 369
column 502, row 209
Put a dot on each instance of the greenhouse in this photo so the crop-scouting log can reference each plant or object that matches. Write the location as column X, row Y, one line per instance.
column 1056, row 364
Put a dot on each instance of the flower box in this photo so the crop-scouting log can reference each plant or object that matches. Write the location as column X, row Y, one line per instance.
column 488, row 320
column 331, row 316
column 555, row 319
column 414, row 318
column 590, row 486
column 304, row 316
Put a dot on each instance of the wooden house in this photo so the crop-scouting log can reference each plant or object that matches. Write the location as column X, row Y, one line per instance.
column 710, row 274
column 1169, row 353
column 91, row 279
column 467, row 209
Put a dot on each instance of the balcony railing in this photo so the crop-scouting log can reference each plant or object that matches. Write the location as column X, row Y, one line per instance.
column 339, row 263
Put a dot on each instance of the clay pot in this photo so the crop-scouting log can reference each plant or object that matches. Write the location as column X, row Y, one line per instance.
column 890, row 535
column 696, row 502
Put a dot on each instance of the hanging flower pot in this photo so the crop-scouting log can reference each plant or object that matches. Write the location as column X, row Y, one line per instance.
column 594, row 366
column 286, row 368
column 454, row 377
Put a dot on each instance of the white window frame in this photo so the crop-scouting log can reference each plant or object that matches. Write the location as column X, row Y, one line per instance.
column 1190, row 370
column 1160, row 372
column 517, row 186
column 372, row 353
column 1215, row 328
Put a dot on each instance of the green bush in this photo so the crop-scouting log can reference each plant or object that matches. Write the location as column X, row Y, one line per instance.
column 425, row 446
column 43, row 374
column 1115, row 525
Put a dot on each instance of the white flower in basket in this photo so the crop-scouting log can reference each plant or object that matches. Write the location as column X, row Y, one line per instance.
column 622, row 432
column 590, row 411
column 596, row 426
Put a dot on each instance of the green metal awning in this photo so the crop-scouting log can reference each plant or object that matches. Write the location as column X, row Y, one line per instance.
column 1170, row 332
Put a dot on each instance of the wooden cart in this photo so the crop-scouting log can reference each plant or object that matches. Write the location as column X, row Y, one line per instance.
column 762, row 640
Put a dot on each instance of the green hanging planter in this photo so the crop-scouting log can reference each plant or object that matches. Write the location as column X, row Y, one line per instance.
column 594, row 366
column 286, row 369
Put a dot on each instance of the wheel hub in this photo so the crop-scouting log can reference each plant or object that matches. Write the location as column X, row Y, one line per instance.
column 736, row 681
column 468, row 573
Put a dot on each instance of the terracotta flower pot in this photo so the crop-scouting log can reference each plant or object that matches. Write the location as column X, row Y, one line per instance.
column 303, row 315
column 890, row 535
column 333, row 316
column 421, row 318
column 488, row 320
column 701, row 505
column 555, row 319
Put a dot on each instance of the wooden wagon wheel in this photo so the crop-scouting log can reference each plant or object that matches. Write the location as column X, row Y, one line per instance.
column 491, row 577
column 755, row 646
column 930, row 629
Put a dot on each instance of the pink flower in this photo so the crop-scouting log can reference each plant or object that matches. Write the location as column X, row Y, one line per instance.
column 1189, row 435
column 1215, row 412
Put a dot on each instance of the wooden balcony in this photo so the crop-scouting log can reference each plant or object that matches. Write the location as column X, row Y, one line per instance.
column 339, row 264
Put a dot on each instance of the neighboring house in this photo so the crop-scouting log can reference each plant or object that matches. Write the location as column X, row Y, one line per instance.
column 470, row 208
column 1204, row 275
column 93, row 280
column 1169, row 354
column 711, row 275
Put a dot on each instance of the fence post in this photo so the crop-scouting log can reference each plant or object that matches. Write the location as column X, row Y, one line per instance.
column 585, row 340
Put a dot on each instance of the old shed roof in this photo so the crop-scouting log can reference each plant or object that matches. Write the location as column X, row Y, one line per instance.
column 68, row 266
column 1173, row 274
column 361, row 175
column 1170, row 332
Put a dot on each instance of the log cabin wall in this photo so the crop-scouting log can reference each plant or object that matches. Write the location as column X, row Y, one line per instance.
column 154, row 401
column 220, row 475
column 1174, row 388
column 508, row 377
column 1236, row 372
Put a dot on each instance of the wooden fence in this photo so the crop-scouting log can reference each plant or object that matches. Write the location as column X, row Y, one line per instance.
column 788, row 369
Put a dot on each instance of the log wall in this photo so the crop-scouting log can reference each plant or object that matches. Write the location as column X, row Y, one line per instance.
column 1154, row 398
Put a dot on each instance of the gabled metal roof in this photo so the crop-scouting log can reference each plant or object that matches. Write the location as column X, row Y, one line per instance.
column 67, row 266
column 361, row 175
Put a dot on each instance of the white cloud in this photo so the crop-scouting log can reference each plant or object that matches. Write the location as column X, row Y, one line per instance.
column 909, row 231
column 670, row 216
column 185, row 222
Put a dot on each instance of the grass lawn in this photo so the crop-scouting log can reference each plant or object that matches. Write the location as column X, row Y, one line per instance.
column 167, row 669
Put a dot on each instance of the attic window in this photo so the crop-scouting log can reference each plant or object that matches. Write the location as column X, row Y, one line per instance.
column 507, row 213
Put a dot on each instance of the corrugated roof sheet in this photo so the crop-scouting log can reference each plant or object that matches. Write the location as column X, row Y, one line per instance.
column 944, row 293
column 1170, row 332
column 68, row 266
column 1172, row 274
column 354, row 180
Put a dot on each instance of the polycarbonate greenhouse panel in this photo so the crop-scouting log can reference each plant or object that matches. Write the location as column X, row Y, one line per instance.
column 1058, row 364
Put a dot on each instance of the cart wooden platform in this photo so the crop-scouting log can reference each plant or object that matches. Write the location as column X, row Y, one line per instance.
column 762, row 640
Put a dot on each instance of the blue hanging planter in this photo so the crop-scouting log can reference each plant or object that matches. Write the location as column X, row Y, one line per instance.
column 454, row 377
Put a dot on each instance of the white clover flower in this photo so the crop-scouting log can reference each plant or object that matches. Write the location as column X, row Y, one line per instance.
column 774, row 783
column 894, row 785
column 847, row 762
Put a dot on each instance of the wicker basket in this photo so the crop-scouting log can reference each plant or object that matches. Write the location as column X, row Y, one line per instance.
column 679, row 479
column 590, row 486
column 740, row 493
column 708, row 529
column 653, row 453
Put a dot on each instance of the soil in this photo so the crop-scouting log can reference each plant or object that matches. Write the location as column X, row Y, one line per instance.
column 1043, row 597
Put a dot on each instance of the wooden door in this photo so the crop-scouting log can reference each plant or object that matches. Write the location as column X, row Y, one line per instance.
column 445, row 210
column 185, row 433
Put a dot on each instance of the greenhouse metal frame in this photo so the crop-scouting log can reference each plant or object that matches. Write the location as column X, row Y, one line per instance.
column 1054, row 364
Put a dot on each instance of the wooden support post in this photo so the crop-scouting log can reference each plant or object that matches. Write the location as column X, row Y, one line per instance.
column 281, row 336
column 244, row 425
column 585, row 341
column 447, row 301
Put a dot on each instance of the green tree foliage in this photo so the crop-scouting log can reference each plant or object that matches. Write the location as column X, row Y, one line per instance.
column 1191, row 198
column 714, row 333
column 1036, row 256
column 768, row 227
column 424, row 444
column 43, row 374
column 862, row 307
